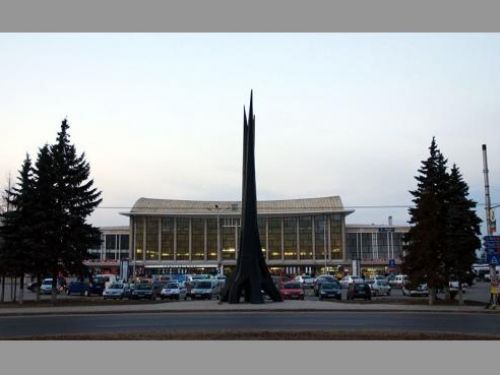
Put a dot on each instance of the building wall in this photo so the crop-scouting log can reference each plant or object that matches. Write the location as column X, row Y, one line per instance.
column 290, row 239
column 375, row 244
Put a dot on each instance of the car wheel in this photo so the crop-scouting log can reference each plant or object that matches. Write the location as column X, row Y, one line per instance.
column 185, row 298
column 177, row 297
column 389, row 293
column 320, row 298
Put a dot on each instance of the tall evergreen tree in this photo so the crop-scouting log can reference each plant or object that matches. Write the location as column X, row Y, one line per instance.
column 17, row 224
column 425, row 245
column 72, row 198
column 463, row 229
column 45, row 217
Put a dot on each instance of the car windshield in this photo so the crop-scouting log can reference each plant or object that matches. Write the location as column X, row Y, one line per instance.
column 172, row 286
column 292, row 286
column 116, row 286
column 203, row 285
column 143, row 286
column 329, row 286
column 381, row 283
column 47, row 282
column 327, row 279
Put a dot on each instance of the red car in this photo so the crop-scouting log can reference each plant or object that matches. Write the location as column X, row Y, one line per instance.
column 292, row 290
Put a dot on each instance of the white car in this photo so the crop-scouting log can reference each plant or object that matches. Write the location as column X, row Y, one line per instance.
column 46, row 287
column 348, row 280
column 305, row 280
column 116, row 290
column 380, row 288
column 205, row 289
column 399, row 281
column 174, row 290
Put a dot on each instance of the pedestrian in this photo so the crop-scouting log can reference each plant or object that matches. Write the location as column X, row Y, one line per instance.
column 493, row 294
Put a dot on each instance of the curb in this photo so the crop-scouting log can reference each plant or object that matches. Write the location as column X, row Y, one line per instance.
column 199, row 311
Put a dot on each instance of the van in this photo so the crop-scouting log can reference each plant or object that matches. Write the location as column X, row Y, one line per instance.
column 205, row 289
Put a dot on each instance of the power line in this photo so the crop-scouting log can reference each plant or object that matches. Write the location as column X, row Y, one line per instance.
column 356, row 206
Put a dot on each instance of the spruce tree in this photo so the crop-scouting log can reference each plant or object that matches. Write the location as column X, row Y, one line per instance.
column 45, row 217
column 425, row 245
column 68, row 194
column 17, row 225
column 463, row 229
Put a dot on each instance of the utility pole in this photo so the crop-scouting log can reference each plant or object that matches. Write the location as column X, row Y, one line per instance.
column 487, row 207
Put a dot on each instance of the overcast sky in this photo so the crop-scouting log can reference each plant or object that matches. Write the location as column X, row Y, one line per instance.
column 160, row 115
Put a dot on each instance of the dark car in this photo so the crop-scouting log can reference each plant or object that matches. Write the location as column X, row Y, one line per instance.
column 330, row 290
column 359, row 290
column 322, row 279
column 143, row 290
column 85, row 289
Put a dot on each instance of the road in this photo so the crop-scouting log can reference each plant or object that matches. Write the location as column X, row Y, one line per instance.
column 28, row 326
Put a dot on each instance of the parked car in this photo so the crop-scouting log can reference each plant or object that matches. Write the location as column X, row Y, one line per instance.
column 348, row 280
column 305, row 280
column 280, row 280
column 46, row 286
column 116, row 290
column 173, row 291
column 399, row 281
column 380, row 287
column 33, row 286
column 420, row 290
column 359, row 290
column 322, row 279
column 205, row 289
column 330, row 290
column 84, row 288
column 292, row 290
column 143, row 290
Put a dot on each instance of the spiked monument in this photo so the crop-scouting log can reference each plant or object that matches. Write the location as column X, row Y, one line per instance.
column 251, row 277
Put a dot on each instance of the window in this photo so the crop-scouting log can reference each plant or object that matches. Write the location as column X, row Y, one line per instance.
column 167, row 238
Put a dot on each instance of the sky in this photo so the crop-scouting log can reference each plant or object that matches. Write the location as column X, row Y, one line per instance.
column 160, row 115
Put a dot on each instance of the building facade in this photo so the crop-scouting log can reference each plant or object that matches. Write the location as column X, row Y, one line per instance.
column 299, row 235
column 378, row 248
column 115, row 246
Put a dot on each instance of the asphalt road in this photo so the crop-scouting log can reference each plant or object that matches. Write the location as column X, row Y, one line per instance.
column 29, row 326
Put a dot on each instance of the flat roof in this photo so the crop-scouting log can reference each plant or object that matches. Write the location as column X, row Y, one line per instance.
column 148, row 206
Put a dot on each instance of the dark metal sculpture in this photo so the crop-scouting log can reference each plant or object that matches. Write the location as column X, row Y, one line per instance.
column 251, row 278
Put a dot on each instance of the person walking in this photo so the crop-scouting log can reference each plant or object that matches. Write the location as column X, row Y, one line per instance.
column 493, row 294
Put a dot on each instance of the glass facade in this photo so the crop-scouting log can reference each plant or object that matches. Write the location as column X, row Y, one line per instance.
column 182, row 227
column 167, row 238
column 228, row 234
column 274, row 237
column 139, row 237
column 152, row 227
column 312, row 239
column 211, row 239
column 320, row 237
column 290, row 238
column 367, row 244
column 335, row 236
column 305, row 237
column 197, row 239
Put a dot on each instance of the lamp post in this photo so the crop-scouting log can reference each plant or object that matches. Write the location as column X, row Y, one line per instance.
column 489, row 226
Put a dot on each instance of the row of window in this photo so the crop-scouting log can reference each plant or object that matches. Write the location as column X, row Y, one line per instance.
column 368, row 246
column 289, row 238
